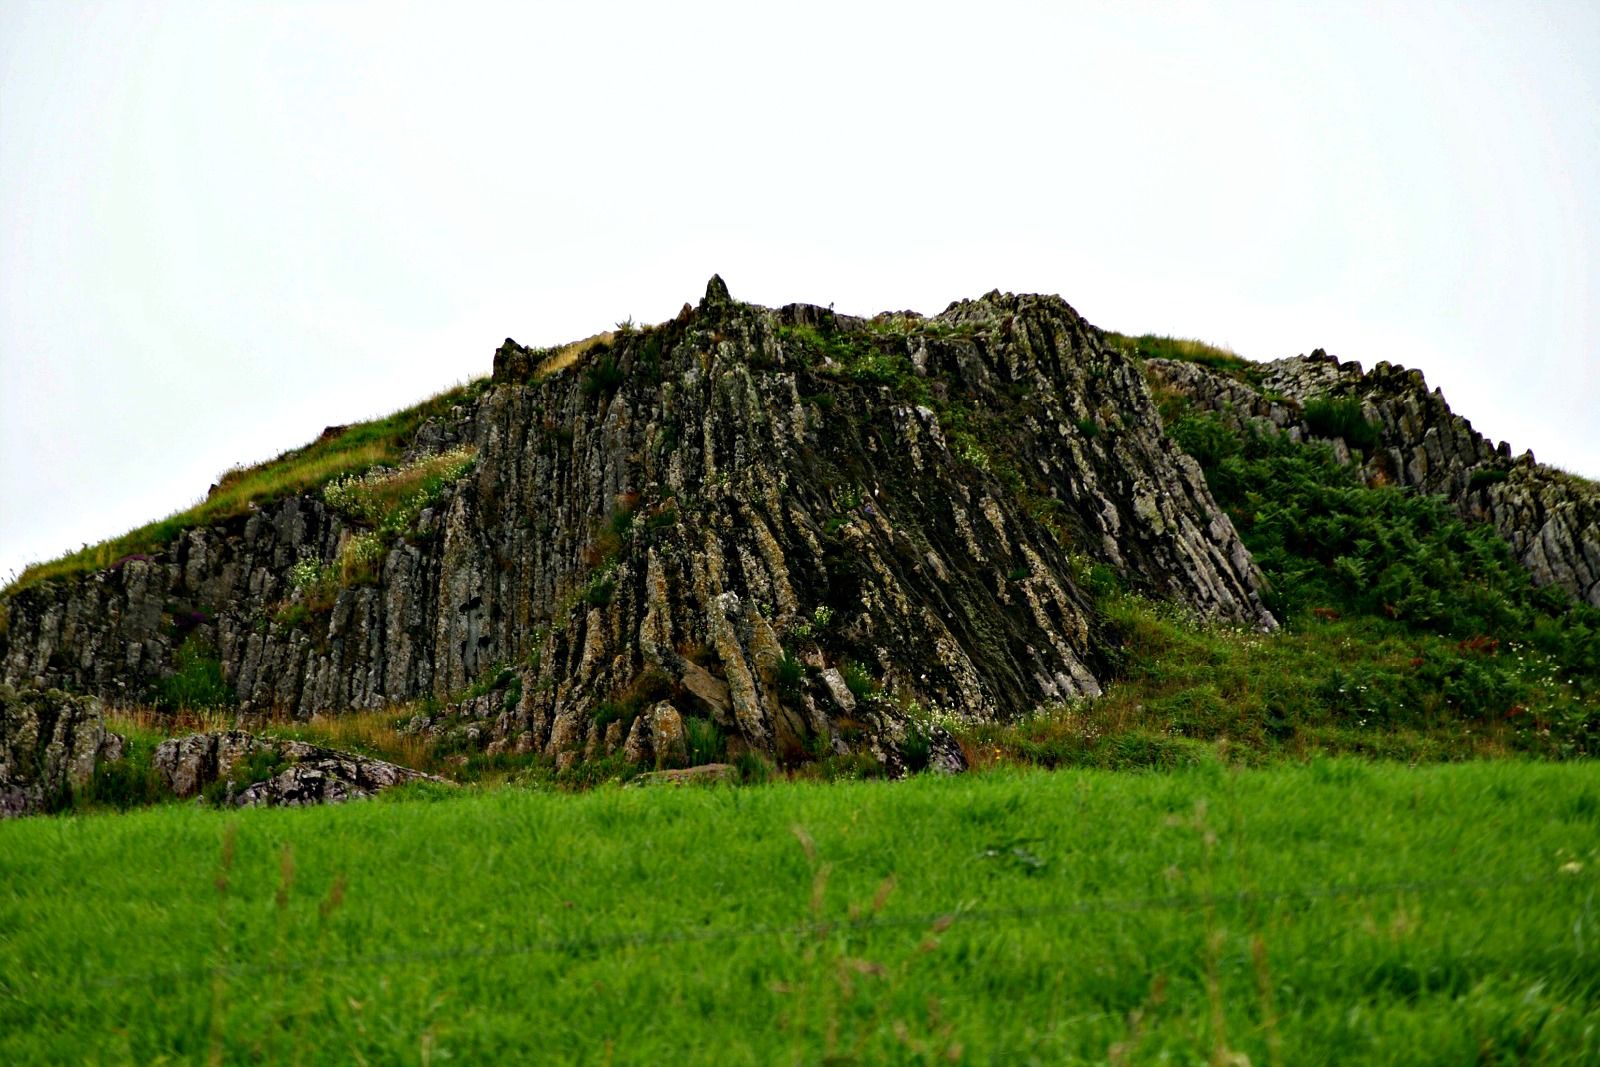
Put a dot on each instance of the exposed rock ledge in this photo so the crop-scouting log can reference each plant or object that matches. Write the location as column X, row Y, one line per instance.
column 50, row 743
column 298, row 773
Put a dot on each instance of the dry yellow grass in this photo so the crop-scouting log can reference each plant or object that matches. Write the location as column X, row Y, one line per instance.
column 567, row 355
column 371, row 732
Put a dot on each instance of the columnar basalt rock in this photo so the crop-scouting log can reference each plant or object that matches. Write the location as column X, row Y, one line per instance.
column 1550, row 518
column 50, row 744
column 721, row 517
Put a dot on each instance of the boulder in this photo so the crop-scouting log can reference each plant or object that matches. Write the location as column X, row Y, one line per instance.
column 50, row 744
column 290, row 773
column 667, row 738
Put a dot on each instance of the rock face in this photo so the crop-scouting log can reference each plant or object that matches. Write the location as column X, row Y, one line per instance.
column 1550, row 518
column 293, row 772
column 728, row 517
column 50, row 743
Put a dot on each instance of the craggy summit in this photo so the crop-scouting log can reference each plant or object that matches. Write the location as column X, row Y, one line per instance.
column 802, row 526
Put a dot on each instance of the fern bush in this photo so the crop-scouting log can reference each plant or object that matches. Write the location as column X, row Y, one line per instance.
column 1397, row 561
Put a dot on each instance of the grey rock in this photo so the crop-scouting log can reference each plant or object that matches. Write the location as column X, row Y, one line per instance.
column 50, row 744
column 667, row 738
column 638, row 748
column 838, row 690
column 303, row 774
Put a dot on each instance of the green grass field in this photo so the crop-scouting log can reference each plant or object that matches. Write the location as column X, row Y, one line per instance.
column 1326, row 912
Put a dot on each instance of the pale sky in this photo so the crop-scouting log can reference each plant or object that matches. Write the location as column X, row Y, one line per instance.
column 224, row 226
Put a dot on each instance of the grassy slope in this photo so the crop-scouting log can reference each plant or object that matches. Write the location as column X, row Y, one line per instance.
column 1388, row 916
column 355, row 449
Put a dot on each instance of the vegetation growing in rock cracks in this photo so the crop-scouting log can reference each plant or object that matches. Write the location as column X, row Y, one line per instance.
column 196, row 680
column 389, row 499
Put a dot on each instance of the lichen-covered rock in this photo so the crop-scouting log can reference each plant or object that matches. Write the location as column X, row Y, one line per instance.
column 1550, row 518
column 50, row 744
column 722, row 510
column 188, row 764
column 704, row 774
column 293, row 772
column 331, row 778
column 667, row 738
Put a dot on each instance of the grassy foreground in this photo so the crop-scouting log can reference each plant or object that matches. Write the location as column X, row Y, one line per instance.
column 1334, row 911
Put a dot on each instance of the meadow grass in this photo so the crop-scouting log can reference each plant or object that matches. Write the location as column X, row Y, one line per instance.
column 1329, row 912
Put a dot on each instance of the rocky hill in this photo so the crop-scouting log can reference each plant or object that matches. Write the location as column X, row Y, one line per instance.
column 1404, row 434
column 805, row 528
column 784, row 520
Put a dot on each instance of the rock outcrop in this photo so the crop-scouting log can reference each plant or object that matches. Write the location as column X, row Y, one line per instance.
column 267, row 772
column 1550, row 518
column 50, row 744
column 728, row 516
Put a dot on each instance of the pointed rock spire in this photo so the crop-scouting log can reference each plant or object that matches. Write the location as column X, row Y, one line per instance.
column 716, row 292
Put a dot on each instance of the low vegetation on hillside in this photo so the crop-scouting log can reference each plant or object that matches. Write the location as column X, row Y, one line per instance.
column 341, row 452
column 1409, row 633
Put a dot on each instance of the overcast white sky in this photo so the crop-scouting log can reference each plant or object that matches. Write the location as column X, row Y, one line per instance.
column 224, row 226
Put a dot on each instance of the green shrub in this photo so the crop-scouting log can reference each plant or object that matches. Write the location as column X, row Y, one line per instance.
column 130, row 782
column 292, row 615
column 791, row 676
column 862, row 685
column 196, row 682
column 753, row 768
column 916, row 746
column 1205, row 437
column 603, row 376
column 851, row 766
column 1328, row 416
column 390, row 499
column 586, row 774
column 705, row 741
column 609, row 711
column 598, row 593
